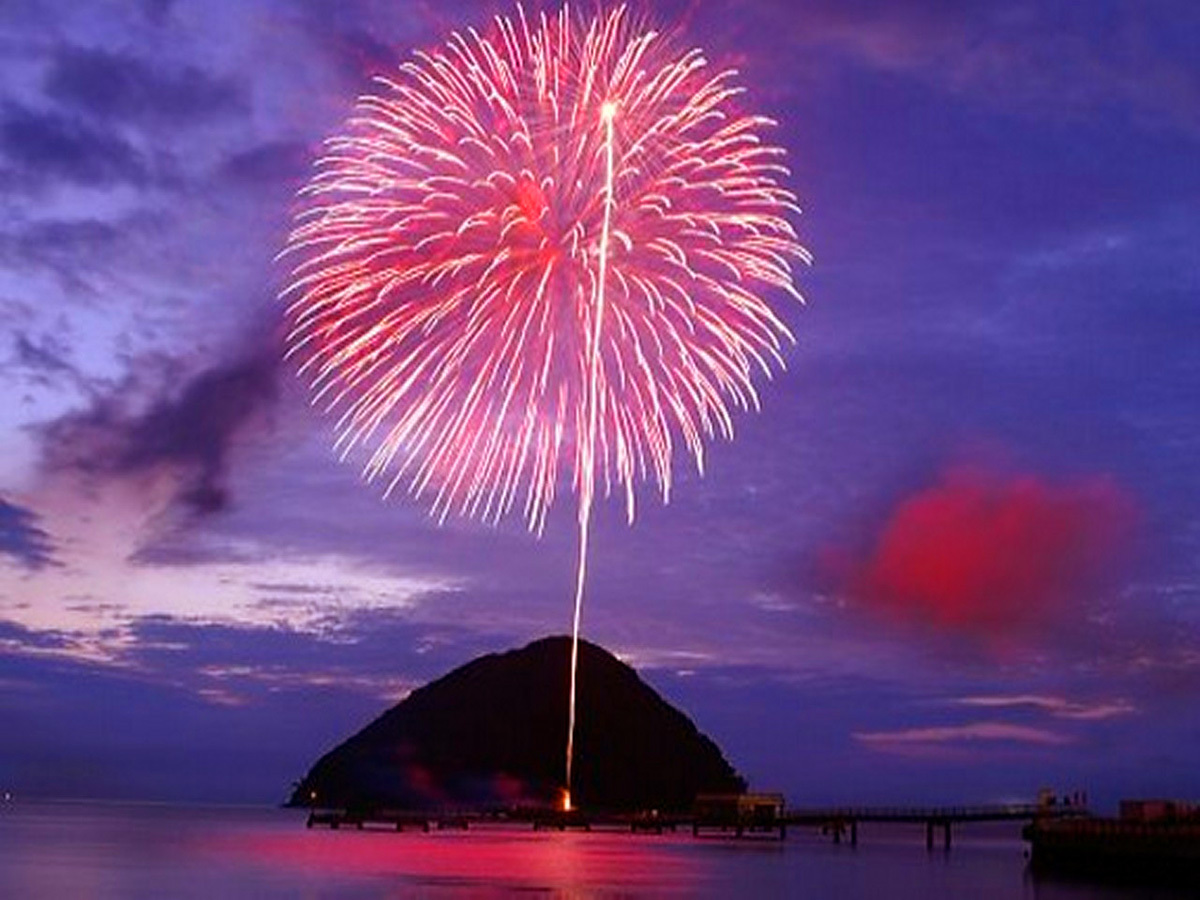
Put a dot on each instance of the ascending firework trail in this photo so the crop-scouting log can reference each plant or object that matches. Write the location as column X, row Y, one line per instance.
column 543, row 247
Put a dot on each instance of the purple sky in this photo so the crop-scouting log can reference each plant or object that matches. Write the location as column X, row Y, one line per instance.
column 956, row 557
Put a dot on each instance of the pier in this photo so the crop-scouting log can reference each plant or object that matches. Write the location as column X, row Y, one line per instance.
column 737, row 816
column 842, row 822
column 348, row 818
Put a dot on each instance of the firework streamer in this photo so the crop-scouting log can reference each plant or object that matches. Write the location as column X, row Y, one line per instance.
column 539, row 254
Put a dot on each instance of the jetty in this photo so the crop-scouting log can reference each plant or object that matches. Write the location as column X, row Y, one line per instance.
column 388, row 818
column 841, row 823
column 746, row 815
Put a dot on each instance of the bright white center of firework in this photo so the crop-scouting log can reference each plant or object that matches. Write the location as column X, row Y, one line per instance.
column 608, row 110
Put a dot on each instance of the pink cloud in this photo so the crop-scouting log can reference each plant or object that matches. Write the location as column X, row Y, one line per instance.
column 1059, row 707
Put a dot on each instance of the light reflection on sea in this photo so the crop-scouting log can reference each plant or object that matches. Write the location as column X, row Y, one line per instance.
column 145, row 851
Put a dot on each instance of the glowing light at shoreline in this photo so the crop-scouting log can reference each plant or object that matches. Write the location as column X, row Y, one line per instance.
column 537, row 254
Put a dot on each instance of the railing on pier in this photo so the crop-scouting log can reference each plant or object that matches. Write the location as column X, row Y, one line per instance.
column 843, row 821
column 990, row 813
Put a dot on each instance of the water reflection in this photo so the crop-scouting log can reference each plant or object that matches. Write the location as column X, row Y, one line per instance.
column 503, row 857
column 101, row 852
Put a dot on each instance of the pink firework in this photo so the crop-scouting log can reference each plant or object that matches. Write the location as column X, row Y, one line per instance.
column 541, row 253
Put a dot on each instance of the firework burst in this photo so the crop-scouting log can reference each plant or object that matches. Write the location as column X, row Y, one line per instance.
column 538, row 257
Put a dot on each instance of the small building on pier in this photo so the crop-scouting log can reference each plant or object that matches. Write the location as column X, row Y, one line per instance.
column 742, row 812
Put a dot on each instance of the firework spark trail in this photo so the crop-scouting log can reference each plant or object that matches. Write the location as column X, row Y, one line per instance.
column 607, row 113
column 545, row 244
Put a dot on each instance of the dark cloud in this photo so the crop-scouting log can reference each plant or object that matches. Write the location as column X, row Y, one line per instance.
column 361, row 38
column 46, row 145
column 178, row 549
column 44, row 358
column 21, row 538
column 277, row 162
column 157, row 11
column 75, row 250
column 188, row 432
column 992, row 555
column 1027, row 58
column 126, row 88
column 357, row 53
column 91, row 237
column 16, row 637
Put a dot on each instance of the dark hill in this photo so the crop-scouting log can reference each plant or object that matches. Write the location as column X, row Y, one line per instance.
column 493, row 733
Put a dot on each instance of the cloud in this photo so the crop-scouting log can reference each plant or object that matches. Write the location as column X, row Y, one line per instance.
column 275, row 162
column 90, row 239
column 87, row 729
column 47, row 145
column 354, row 50
column 380, row 653
column 986, row 732
column 15, row 637
column 122, row 87
column 157, row 11
column 21, row 539
column 1021, row 57
column 76, row 251
column 1058, row 707
column 187, row 434
column 993, row 556
column 45, row 359
column 361, row 655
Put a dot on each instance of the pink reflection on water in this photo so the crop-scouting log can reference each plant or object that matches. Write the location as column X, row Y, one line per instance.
column 484, row 855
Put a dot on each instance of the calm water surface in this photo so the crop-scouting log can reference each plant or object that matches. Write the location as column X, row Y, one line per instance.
column 96, row 851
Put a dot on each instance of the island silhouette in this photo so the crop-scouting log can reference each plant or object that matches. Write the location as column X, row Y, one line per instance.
column 490, row 735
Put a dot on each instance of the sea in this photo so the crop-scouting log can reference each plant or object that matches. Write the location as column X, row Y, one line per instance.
column 95, row 851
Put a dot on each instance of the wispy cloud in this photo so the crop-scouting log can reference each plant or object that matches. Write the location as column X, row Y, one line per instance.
column 21, row 538
column 973, row 732
column 15, row 637
column 124, row 87
column 41, row 145
column 1024, row 57
column 1059, row 707
column 382, row 653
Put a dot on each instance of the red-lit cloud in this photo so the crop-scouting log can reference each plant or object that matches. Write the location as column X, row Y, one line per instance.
column 993, row 555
